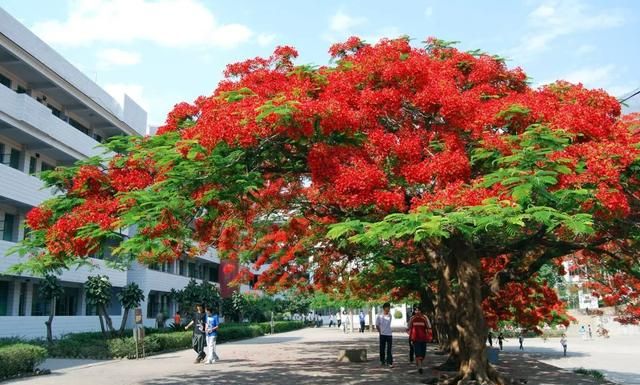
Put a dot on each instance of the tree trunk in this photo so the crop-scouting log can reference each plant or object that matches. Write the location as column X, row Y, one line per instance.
column 123, row 324
column 448, row 306
column 48, row 323
column 471, row 324
column 104, row 333
column 107, row 319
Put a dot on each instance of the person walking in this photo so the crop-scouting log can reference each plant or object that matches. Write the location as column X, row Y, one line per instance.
column 331, row 320
column 346, row 321
column 583, row 332
column 590, row 333
column 521, row 340
column 419, row 327
column 177, row 319
column 500, row 339
column 361, row 316
column 338, row 319
column 198, row 339
column 490, row 338
column 383, row 325
column 411, row 350
column 211, row 324
column 563, row 342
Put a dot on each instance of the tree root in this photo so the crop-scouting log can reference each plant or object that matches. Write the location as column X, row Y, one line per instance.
column 450, row 365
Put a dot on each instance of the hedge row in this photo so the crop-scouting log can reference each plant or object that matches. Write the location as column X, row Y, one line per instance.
column 93, row 345
column 20, row 359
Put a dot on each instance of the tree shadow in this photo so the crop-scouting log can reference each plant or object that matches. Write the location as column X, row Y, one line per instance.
column 267, row 340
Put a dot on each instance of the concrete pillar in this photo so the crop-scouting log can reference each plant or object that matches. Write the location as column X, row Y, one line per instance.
column 28, row 299
column 15, row 299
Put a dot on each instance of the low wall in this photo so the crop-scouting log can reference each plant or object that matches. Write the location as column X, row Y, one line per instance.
column 33, row 326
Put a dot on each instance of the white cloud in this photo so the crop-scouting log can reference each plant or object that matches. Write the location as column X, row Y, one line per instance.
column 585, row 49
column 596, row 77
column 341, row 26
column 428, row 12
column 171, row 23
column 386, row 32
column 341, row 22
column 606, row 77
column 265, row 39
column 135, row 92
column 554, row 19
column 116, row 57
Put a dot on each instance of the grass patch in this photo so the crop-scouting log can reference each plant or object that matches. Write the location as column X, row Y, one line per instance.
column 598, row 375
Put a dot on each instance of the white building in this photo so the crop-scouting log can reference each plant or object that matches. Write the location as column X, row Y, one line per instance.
column 575, row 277
column 50, row 115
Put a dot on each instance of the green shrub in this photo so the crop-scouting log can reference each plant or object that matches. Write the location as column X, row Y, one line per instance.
column 9, row 341
column 590, row 372
column 93, row 345
column 20, row 358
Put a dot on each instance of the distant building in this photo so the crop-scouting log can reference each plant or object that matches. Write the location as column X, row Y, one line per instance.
column 574, row 280
column 52, row 115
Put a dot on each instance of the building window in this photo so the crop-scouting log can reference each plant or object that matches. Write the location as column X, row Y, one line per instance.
column 22, row 301
column 22, row 90
column 78, row 126
column 4, row 298
column 68, row 303
column 39, row 305
column 2, row 154
column 56, row 112
column 213, row 273
column 8, row 225
column 46, row 167
column 181, row 267
column 98, row 138
column 5, row 81
column 14, row 159
column 152, row 305
column 33, row 162
column 192, row 270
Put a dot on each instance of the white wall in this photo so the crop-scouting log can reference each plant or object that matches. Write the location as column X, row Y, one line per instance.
column 26, row 114
column 33, row 327
column 58, row 65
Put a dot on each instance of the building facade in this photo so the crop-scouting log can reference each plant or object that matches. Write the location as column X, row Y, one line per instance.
column 53, row 115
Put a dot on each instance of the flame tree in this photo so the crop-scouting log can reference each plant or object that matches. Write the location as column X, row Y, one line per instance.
column 343, row 176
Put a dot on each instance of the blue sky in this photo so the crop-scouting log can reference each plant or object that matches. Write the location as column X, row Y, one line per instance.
column 165, row 51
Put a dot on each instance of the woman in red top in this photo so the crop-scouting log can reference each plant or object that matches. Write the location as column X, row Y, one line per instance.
column 419, row 328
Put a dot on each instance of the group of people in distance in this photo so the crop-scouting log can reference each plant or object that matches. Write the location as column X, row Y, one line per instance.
column 501, row 339
column 420, row 333
column 344, row 320
column 205, row 332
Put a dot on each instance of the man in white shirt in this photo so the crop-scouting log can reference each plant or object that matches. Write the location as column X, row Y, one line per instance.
column 383, row 325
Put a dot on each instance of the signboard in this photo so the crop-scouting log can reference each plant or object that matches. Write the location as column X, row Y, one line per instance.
column 138, row 316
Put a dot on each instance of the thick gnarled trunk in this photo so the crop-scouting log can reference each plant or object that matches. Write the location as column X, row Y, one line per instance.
column 447, row 305
column 469, row 318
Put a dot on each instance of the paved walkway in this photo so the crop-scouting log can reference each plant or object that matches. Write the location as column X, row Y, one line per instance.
column 617, row 357
column 303, row 357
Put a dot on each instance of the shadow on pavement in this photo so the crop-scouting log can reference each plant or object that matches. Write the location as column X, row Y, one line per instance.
column 267, row 340
column 314, row 363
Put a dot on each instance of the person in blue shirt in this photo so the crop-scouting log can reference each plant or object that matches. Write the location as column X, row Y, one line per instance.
column 211, row 324
column 361, row 321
